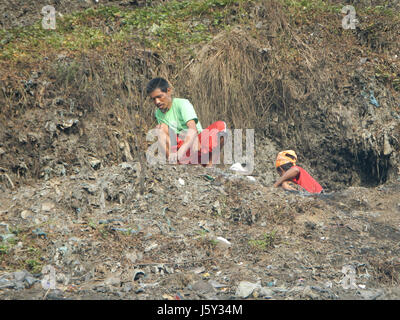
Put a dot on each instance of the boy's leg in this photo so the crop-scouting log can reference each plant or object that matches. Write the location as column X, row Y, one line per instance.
column 212, row 141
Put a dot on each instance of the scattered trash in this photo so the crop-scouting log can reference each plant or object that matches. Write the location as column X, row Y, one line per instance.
column 373, row 100
column 208, row 177
column 138, row 274
column 178, row 296
column 67, row 124
column 238, row 167
column 199, row 270
column 266, row 293
column 223, row 243
column 94, row 163
column 40, row 233
column 181, row 181
column 124, row 230
column 216, row 284
column 151, row 247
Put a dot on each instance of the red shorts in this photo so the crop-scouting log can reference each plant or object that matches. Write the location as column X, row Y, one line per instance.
column 209, row 142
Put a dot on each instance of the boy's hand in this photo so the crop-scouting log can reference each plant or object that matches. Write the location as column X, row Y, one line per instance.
column 289, row 186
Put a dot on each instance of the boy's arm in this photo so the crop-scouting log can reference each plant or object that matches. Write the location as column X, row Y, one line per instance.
column 286, row 185
column 287, row 176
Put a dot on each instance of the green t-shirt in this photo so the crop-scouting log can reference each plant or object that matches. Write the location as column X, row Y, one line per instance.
column 178, row 115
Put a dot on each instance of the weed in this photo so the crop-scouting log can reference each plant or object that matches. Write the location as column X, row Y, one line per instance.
column 4, row 248
column 34, row 265
column 266, row 242
column 92, row 224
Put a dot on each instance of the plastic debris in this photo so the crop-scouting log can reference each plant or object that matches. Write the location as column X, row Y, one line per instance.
column 373, row 100
column 238, row 167
column 40, row 233
column 178, row 296
column 137, row 274
column 222, row 242
column 208, row 177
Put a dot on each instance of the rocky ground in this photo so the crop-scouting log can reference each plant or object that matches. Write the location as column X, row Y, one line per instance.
column 187, row 232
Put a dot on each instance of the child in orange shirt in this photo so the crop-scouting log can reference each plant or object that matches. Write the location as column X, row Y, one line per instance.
column 290, row 172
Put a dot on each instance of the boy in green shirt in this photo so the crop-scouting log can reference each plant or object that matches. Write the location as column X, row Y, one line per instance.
column 181, row 137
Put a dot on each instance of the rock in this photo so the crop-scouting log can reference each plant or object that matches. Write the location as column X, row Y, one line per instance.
column 370, row 294
column 6, row 283
column 266, row 292
column 20, row 275
column 4, row 229
column 151, row 247
column 137, row 274
column 217, row 207
column 95, row 163
column 113, row 281
column 245, row 289
column 128, row 287
column 387, row 148
column 363, row 60
column 47, row 206
column 203, row 287
column 5, row 232
column 67, row 124
column 279, row 290
column 308, row 293
column 26, row 214
column 216, row 284
column 134, row 256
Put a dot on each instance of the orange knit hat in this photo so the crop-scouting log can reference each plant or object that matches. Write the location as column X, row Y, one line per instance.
column 286, row 157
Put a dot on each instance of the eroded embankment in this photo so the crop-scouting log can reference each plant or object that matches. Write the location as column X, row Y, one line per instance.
column 298, row 78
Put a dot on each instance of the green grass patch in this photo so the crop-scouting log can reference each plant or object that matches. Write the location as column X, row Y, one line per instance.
column 165, row 26
column 266, row 242
column 4, row 248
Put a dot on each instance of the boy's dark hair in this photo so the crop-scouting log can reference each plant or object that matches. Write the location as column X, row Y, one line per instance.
column 285, row 166
column 157, row 83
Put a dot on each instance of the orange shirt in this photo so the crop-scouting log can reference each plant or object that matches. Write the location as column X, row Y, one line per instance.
column 307, row 182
